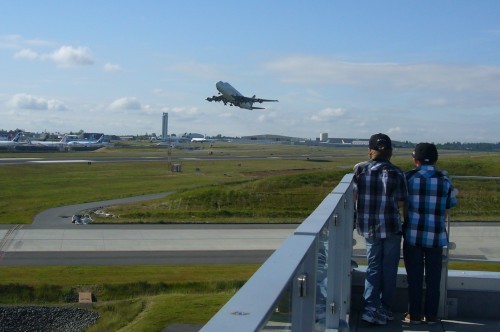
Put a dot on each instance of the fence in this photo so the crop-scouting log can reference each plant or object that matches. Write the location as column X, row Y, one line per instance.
column 289, row 291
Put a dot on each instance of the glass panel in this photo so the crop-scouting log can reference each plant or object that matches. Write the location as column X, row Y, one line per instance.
column 321, row 278
column 281, row 317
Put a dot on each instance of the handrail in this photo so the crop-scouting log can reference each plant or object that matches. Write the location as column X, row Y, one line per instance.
column 317, row 298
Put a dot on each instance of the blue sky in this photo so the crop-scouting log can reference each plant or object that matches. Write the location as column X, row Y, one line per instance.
column 416, row 70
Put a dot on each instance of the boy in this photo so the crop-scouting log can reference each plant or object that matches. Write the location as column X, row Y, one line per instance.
column 430, row 195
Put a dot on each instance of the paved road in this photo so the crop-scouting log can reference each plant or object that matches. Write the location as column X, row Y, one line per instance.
column 58, row 217
column 53, row 240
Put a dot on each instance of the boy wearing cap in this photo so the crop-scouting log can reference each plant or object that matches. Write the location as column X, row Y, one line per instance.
column 379, row 192
column 430, row 195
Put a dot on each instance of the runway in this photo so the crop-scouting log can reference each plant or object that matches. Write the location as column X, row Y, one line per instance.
column 53, row 240
column 187, row 244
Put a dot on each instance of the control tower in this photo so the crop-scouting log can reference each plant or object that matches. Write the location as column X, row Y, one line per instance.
column 164, row 128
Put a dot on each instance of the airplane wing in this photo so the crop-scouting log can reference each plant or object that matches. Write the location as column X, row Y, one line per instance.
column 216, row 98
column 244, row 99
column 219, row 98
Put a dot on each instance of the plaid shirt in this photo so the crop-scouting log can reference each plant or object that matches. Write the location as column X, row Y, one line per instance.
column 430, row 195
column 378, row 186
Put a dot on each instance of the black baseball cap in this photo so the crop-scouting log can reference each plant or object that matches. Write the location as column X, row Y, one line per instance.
column 380, row 142
column 426, row 153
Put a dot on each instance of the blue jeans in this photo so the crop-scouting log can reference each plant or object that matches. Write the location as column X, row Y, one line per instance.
column 416, row 258
column 382, row 271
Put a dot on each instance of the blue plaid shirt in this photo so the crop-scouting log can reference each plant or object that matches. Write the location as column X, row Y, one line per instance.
column 430, row 194
column 378, row 187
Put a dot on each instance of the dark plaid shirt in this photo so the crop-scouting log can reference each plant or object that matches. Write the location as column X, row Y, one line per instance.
column 378, row 186
column 430, row 194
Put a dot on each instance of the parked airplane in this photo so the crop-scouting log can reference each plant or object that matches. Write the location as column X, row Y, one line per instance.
column 14, row 141
column 199, row 140
column 63, row 141
column 84, row 142
column 228, row 94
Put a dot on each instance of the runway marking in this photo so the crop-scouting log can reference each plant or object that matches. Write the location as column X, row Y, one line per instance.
column 15, row 159
column 60, row 161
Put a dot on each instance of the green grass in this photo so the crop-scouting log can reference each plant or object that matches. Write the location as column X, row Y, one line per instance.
column 280, row 198
column 118, row 314
column 65, row 276
column 29, row 189
column 245, row 190
column 163, row 310
column 171, row 294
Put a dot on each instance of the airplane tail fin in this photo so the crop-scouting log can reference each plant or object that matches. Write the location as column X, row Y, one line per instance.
column 17, row 137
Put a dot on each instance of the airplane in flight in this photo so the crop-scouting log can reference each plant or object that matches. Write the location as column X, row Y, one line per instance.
column 228, row 94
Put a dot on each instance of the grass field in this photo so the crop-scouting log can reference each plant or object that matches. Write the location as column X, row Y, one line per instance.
column 274, row 188
column 223, row 190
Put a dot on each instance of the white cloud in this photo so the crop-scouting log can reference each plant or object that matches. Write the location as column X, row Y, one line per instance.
column 27, row 54
column 126, row 103
column 68, row 56
column 26, row 101
column 396, row 130
column 328, row 114
column 110, row 67
column 65, row 56
column 428, row 76
column 17, row 41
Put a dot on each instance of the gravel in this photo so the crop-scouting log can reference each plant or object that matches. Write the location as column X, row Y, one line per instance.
column 34, row 318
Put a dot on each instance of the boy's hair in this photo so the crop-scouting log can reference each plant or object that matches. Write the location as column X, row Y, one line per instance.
column 382, row 154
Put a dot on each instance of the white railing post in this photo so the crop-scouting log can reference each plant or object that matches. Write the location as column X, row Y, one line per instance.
column 304, row 293
column 340, row 245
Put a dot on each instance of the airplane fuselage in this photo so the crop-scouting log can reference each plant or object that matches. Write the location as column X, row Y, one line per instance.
column 229, row 92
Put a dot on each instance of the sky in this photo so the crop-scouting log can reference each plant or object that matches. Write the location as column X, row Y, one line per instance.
column 419, row 71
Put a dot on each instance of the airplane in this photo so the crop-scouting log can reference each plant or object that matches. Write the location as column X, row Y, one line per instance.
column 199, row 140
column 13, row 142
column 228, row 94
column 44, row 142
column 86, row 142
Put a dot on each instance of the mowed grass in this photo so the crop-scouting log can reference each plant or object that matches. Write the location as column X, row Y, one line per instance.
column 223, row 190
column 136, row 298
column 290, row 195
column 29, row 189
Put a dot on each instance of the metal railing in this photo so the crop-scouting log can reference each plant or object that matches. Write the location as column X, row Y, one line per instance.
column 294, row 290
